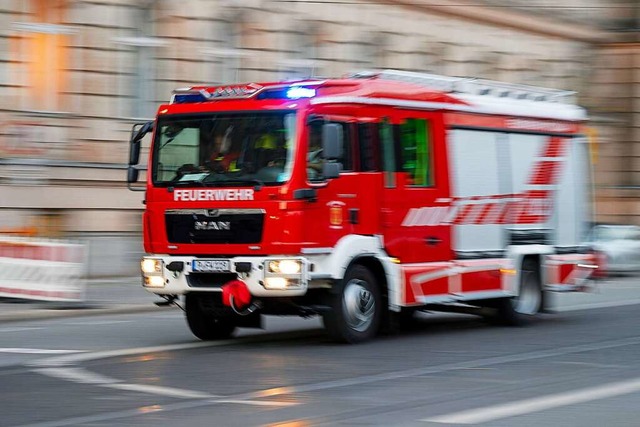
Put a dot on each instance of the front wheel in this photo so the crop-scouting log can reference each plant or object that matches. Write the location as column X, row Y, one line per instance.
column 356, row 307
column 520, row 309
column 204, row 324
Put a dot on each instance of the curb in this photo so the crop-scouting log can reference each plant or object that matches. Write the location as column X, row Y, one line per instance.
column 42, row 314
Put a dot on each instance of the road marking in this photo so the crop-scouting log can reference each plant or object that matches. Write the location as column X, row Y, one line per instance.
column 595, row 305
column 282, row 391
column 36, row 351
column 162, row 391
column 105, row 417
column 348, row 382
column 590, row 364
column 537, row 404
column 86, row 357
column 82, row 376
column 96, row 323
column 18, row 329
column 76, row 375
column 255, row 402
column 61, row 368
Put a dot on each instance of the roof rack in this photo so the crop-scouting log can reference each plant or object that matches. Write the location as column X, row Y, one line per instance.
column 472, row 86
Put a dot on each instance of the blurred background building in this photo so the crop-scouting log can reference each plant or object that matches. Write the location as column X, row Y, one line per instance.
column 76, row 74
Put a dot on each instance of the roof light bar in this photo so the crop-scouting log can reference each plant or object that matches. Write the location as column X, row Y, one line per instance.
column 189, row 95
column 297, row 92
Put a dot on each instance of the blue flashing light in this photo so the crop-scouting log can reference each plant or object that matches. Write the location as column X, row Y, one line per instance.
column 186, row 98
column 298, row 92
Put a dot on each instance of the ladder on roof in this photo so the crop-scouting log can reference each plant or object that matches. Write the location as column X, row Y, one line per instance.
column 473, row 86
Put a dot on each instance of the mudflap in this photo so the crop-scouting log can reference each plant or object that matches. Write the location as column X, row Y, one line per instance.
column 253, row 320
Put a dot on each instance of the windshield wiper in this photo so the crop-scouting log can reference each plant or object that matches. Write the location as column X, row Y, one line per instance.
column 187, row 183
column 258, row 184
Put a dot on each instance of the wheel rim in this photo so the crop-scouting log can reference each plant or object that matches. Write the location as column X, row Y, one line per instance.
column 528, row 302
column 359, row 305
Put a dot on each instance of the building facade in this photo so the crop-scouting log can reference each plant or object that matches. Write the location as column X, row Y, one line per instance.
column 76, row 74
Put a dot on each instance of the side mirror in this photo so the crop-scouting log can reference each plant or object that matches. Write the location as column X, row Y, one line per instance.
column 332, row 141
column 138, row 131
column 132, row 174
column 331, row 170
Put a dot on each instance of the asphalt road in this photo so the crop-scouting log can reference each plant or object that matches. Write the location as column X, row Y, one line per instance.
column 576, row 367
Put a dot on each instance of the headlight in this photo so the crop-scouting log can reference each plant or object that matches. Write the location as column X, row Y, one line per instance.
column 154, row 281
column 285, row 266
column 151, row 266
column 281, row 274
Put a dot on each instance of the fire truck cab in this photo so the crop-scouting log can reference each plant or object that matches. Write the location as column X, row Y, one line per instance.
column 364, row 199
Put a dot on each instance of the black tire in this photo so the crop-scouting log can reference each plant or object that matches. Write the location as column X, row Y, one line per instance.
column 522, row 308
column 356, row 307
column 204, row 325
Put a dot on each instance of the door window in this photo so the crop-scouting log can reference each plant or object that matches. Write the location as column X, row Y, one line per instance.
column 368, row 147
column 415, row 152
column 314, row 151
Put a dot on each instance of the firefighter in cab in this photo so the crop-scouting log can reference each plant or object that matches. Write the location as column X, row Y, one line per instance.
column 223, row 159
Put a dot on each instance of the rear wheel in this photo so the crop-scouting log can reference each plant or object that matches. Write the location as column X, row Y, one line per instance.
column 521, row 308
column 204, row 324
column 356, row 307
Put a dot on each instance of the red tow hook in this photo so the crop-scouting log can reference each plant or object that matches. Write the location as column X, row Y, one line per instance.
column 235, row 294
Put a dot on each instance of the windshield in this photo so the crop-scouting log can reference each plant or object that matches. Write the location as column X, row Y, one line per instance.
column 607, row 234
column 224, row 149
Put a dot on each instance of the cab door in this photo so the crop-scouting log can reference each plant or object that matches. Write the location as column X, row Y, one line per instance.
column 337, row 209
column 415, row 197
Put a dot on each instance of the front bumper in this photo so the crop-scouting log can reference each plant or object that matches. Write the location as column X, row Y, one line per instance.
column 175, row 275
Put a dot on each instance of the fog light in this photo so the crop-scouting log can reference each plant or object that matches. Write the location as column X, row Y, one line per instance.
column 275, row 283
column 154, row 281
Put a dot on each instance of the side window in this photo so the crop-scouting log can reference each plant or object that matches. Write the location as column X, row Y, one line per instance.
column 347, row 147
column 415, row 152
column 387, row 141
column 368, row 147
column 314, row 151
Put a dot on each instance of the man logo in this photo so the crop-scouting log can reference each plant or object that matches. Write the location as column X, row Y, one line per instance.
column 212, row 225
column 213, row 212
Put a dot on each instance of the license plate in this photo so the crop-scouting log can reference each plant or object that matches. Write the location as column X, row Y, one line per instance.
column 211, row 265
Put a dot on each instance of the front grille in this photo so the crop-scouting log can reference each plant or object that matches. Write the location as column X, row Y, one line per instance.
column 209, row 280
column 215, row 225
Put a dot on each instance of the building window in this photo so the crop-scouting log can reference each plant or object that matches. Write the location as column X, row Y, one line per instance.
column 42, row 44
column 230, row 54
column 226, row 56
column 436, row 55
column 303, row 60
column 141, row 69
column 5, row 59
column 373, row 52
column 490, row 65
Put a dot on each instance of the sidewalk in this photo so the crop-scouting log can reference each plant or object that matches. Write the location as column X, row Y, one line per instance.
column 103, row 296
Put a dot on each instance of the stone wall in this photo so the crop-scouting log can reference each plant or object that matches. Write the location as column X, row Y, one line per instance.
column 75, row 75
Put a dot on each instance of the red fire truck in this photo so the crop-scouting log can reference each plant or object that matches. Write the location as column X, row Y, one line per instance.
column 364, row 199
